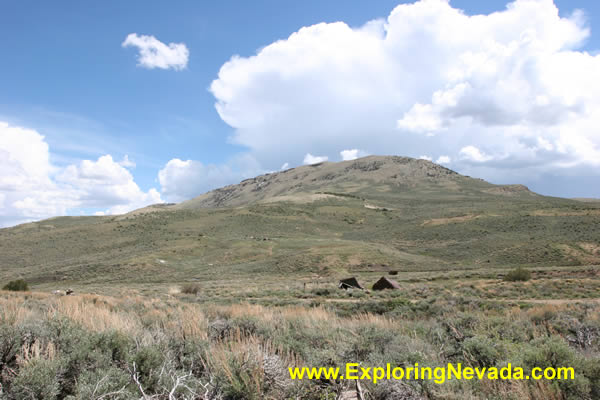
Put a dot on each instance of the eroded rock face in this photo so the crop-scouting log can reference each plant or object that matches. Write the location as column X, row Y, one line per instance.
column 365, row 166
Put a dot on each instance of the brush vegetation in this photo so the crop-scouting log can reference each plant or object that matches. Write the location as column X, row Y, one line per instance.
column 16, row 286
column 518, row 275
column 95, row 347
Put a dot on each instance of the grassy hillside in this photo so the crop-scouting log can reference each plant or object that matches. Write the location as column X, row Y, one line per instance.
column 363, row 216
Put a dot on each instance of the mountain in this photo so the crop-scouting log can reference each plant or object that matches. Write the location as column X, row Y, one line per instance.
column 371, row 214
column 386, row 178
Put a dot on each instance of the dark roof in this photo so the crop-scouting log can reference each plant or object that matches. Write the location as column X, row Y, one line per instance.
column 385, row 283
column 350, row 283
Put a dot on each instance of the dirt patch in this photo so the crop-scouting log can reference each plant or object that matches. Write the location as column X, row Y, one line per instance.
column 582, row 254
column 592, row 248
column 553, row 301
column 354, row 260
column 331, row 261
column 372, row 207
column 450, row 220
column 564, row 213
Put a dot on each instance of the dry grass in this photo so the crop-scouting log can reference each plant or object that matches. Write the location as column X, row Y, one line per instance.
column 450, row 220
column 95, row 317
column 12, row 311
column 254, row 361
column 36, row 351
column 246, row 349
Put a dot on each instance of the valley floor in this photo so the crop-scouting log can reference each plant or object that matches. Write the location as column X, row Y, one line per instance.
column 236, row 338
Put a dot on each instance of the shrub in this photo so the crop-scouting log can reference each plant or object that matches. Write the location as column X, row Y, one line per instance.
column 592, row 371
column 190, row 288
column 148, row 362
column 114, row 344
column 482, row 352
column 10, row 342
column 543, row 314
column 249, row 370
column 369, row 339
column 518, row 275
column 389, row 389
column 16, row 286
column 321, row 292
column 359, row 294
column 555, row 352
column 110, row 383
column 37, row 380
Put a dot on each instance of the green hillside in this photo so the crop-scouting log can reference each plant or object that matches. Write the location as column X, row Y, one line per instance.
column 368, row 215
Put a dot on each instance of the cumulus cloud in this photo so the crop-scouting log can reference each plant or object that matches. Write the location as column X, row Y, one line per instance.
column 425, row 158
column 31, row 188
column 443, row 160
column 126, row 162
column 472, row 153
column 24, row 158
column 184, row 179
column 105, row 183
column 310, row 159
column 155, row 54
column 352, row 154
column 428, row 79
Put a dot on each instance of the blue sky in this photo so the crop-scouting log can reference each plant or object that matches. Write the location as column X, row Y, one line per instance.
column 66, row 77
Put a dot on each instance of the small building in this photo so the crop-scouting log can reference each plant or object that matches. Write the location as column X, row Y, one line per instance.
column 350, row 283
column 385, row 283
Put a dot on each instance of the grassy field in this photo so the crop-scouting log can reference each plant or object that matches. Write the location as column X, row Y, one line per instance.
column 216, row 297
column 189, row 346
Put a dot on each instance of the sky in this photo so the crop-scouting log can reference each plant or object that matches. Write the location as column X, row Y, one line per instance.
column 112, row 106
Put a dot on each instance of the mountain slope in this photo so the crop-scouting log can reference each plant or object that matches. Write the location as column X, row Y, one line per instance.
column 369, row 214
column 389, row 178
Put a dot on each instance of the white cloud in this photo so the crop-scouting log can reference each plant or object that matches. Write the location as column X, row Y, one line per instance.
column 429, row 79
column 31, row 188
column 309, row 159
column 284, row 166
column 352, row 154
column 25, row 184
column 155, row 54
column 421, row 119
column 472, row 153
column 106, row 183
column 443, row 160
column 126, row 162
column 425, row 158
column 182, row 180
column 24, row 158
